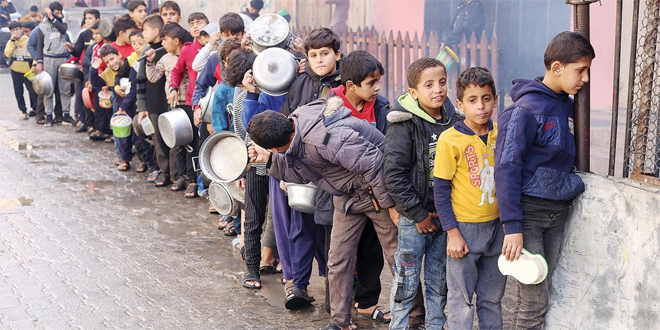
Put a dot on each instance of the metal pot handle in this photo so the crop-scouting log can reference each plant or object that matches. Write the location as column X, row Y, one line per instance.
column 189, row 148
column 195, row 163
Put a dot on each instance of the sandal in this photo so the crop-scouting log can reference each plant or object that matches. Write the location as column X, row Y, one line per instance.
column 124, row 166
column 191, row 191
column 162, row 180
column 152, row 176
column 377, row 314
column 141, row 168
column 57, row 120
column 97, row 136
column 223, row 222
column 110, row 139
column 41, row 120
column 270, row 269
column 297, row 298
column 179, row 184
column 230, row 230
column 252, row 277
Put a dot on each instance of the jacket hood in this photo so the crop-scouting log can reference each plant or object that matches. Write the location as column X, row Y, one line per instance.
column 528, row 86
column 405, row 107
column 463, row 128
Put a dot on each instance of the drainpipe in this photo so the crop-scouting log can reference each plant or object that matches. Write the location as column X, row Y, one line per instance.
column 582, row 102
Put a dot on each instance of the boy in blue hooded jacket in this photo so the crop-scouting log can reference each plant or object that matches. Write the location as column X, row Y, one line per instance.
column 534, row 156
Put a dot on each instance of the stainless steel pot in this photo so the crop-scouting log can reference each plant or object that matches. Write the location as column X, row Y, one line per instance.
column 302, row 197
column 223, row 157
column 205, row 105
column 106, row 27
column 175, row 128
column 70, row 71
column 222, row 200
column 43, row 84
column 247, row 22
column 137, row 128
column 274, row 70
column 236, row 193
column 270, row 30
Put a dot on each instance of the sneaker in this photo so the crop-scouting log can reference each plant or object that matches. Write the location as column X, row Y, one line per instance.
column 297, row 298
column 67, row 120
column 49, row 121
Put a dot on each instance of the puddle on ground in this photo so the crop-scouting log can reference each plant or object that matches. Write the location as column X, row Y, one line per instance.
column 12, row 203
column 170, row 229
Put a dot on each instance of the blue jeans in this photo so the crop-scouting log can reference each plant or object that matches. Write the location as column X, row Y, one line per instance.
column 543, row 231
column 477, row 272
column 413, row 249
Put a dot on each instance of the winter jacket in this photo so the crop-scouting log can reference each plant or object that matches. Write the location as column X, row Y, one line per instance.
column 337, row 152
column 83, row 41
column 186, row 57
column 535, row 150
column 51, row 35
column 150, row 95
column 163, row 68
column 407, row 161
column 16, row 50
column 308, row 87
column 205, row 79
column 257, row 103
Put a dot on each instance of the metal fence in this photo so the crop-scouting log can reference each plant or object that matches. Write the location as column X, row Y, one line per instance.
column 642, row 146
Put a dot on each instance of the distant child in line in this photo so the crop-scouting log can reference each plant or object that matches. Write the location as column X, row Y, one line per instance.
column 464, row 187
column 21, row 63
column 534, row 159
column 137, row 10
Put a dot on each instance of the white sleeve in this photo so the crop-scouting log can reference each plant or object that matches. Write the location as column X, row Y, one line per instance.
column 202, row 57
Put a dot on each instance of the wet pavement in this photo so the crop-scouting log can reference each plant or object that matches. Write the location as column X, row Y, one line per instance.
column 83, row 245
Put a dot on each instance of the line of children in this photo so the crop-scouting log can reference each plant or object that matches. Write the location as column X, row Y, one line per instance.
column 416, row 183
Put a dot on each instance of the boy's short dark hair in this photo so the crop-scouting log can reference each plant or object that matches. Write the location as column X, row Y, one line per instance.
column 34, row 8
column 197, row 15
column 322, row 37
column 108, row 49
column 477, row 75
column 231, row 23
column 239, row 62
column 136, row 32
column 174, row 31
column 414, row 72
column 14, row 25
column 154, row 10
column 134, row 4
column 123, row 24
column 227, row 47
column 94, row 12
column 270, row 129
column 29, row 25
column 567, row 47
column 257, row 4
column 95, row 26
column 55, row 6
column 154, row 21
column 171, row 5
column 358, row 66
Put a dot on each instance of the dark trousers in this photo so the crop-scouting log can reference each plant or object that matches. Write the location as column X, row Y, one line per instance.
column 125, row 145
column 102, row 116
column 256, row 201
column 80, row 106
column 90, row 116
column 184, row 158
column 19, row 80
column 162, row 150
column 145, row 152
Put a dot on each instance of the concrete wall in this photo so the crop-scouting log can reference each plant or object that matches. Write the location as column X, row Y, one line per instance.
column 608, row 271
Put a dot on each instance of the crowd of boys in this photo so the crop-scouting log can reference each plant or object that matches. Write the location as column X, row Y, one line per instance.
column 411, row 183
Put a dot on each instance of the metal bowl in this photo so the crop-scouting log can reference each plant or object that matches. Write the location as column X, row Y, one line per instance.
column 274, row 70
column 175, row 128
column 43, row 84
column 71, row 72
column 302, row 197
column 221, row 199
column 205, row 105
column 223, row 157
column 269, row 30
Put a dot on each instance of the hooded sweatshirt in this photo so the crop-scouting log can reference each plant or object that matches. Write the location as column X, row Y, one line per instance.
column 410, row 144
column 535, row 150
column 378, row 109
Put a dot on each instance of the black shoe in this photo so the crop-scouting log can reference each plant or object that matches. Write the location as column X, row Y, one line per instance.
column 81, row 129
column 297, row 298
column 67, row 120
column 32, row 113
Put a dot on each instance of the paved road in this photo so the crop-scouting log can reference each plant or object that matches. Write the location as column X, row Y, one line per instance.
column 85, row 246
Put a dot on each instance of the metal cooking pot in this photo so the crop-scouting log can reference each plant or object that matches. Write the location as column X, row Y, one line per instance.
column 274, row 70
column 270, row 30
column 302, row 197
column 236, row 193
column 106, row 28
column 175, row 128
column 137, row 128
column 223, row 157
column 221, row 200
column 43, row 84
column 205, row 105
column 247, row 22
column 70, row 71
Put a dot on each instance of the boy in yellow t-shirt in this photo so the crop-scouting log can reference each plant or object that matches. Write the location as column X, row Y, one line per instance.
column 464, row 189
column 21, row 62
